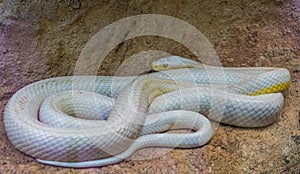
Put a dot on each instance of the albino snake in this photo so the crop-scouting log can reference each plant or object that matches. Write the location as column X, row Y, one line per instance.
column 113, row 129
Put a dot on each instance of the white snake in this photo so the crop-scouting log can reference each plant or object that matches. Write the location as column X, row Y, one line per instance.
column 37, row 120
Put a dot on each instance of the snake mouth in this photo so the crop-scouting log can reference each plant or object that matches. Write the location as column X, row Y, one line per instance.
column 148, row 72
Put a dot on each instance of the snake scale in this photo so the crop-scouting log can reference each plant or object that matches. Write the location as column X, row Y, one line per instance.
column 90, row 121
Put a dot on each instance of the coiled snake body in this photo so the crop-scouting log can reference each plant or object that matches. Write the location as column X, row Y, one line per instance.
column 37, row 120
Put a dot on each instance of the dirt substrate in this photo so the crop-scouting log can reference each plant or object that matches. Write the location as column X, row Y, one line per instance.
column 44, row 39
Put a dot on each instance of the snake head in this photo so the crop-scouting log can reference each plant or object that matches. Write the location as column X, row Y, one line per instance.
column 173, row 62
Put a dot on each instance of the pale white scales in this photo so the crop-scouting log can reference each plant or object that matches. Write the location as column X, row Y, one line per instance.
column 38, row 118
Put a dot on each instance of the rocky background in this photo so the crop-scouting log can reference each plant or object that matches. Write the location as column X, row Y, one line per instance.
column 42, row 39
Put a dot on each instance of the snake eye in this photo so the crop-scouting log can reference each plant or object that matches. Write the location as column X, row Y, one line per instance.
column 165, row 65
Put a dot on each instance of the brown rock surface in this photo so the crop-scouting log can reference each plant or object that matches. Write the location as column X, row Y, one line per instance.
column 44, row 39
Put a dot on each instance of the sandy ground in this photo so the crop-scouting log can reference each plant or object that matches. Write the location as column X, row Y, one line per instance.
column 44, row 39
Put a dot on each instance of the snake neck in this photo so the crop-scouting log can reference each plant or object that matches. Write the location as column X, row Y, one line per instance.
column 132, row 104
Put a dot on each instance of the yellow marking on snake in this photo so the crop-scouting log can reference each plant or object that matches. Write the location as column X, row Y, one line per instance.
column 271, row 89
